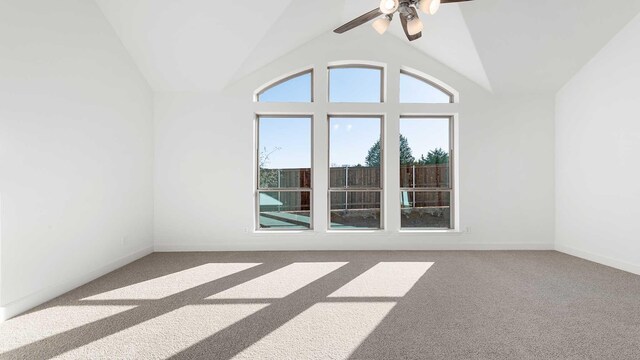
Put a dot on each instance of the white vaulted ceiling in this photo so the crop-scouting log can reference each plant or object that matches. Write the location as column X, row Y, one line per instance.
column 502, row 45
column 190, row 45
column 538, row 45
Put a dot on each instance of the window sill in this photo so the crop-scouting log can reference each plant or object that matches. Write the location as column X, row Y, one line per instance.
column 312, row 232
column 355, row 231
column 297, row 232
column 431, row 232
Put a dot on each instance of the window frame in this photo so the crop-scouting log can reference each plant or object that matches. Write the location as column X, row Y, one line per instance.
column 346, row 189
column 451, row 189
column 258, row 190
column 392, row 111
column 383, row 84
column 280, row 81
column 452, row 96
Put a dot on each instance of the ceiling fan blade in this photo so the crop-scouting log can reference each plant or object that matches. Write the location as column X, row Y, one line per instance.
column 359, row 21
column 404, row 21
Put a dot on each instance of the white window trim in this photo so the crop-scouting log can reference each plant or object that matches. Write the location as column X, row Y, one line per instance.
column 380, row 189
column 452, row 175
column 258, row 189
column 392, row 110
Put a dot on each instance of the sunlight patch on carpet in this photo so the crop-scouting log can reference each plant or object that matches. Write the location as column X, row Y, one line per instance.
column 324, row 331
column 174, row 283
column 166, row 335
column 26, row 329
column 385, row 279
column 281, row 282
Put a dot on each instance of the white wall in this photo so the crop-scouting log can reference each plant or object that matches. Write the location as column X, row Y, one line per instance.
column 76, row 150
column 598, row 151
column 204, row 172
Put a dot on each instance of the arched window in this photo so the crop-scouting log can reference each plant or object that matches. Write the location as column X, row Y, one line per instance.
column 295, row 88
column 358, row 127
column 418, row 90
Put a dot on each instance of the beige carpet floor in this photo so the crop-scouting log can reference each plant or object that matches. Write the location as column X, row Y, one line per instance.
column 340, row 305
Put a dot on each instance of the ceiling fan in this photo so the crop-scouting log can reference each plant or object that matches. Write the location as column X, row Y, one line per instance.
column 408, row 16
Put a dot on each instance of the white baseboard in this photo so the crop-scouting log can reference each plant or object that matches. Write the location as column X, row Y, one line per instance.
column 604, row 260
column 30, row 301
column 395, row 247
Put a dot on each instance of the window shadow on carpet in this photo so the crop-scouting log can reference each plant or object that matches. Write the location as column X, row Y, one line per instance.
column 218, row 305
column 339, row 305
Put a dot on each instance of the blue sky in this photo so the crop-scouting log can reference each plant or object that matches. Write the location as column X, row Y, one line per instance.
column 350, row 138
column 292, row 139
column 416, row 91
column 297, row 89
column 354, row 85
column 425, row 134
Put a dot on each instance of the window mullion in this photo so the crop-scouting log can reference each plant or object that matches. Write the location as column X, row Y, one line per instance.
column 392, row 149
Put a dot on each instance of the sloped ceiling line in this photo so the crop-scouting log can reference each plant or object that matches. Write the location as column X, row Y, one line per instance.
column 503, row 45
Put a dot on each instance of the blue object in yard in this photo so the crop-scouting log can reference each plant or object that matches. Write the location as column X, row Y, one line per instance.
column 405, row 199
column 266, row 200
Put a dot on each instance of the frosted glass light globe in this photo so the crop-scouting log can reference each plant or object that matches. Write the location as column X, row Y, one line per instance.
column 414, row 26
column 429, row 6
column 389, row 6
column 381, row 25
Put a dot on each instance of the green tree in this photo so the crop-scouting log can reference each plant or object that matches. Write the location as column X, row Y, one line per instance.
column 373, row 156
column 406, row 156
column 268, row 177
column 435, row 156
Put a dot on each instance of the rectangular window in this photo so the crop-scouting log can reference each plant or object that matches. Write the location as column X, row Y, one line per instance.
column 355, row 172
column 284, row 154
column 356, row 84
column 425, row 173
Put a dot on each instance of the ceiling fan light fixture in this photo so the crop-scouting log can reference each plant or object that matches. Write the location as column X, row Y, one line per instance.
column 429, row 6
column 414, row 26
column 389, row 6
column 381, row 25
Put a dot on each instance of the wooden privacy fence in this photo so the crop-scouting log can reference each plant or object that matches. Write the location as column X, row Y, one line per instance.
column 422, row 199
column 424, row 176
column 354, row 177
column 357, row 177
column 287, row 179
